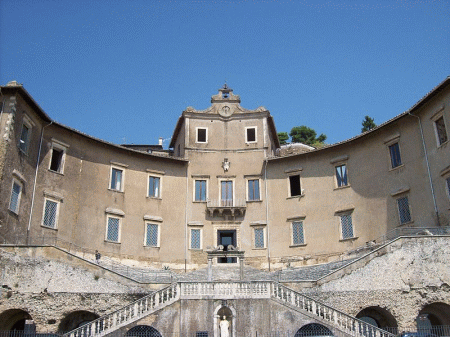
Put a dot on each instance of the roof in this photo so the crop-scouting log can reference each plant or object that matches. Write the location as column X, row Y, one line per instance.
column 424, row 100
column 14, row 86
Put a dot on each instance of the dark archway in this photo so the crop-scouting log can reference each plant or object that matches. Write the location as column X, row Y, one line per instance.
column 313, row 329
column 13, row 319
column 143, row 331
column 381, row 317
column 434, row 318
column 76, row 319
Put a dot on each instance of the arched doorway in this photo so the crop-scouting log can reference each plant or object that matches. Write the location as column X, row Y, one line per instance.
column 13, row 319
column 379, row 317
column 143, row 331
column 313, row 329
column 434, row 319
column 76, row 319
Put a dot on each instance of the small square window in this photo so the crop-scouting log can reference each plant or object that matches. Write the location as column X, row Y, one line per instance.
column 16, row 192
column 113, row 229
column 394, row 151
column 294, row 185
column 441, row 132
column 200, row 190
column 341, row 175
column 196, row 238
column 253, row 190
column 259, row 238
column 250, row 135
column 298, row 237
column 152, row 235
column 202, row 136
column 154, row 188
column 202, row 333
column 346, row 226
column 403, row 210
column 50, row 218
column 116, row 179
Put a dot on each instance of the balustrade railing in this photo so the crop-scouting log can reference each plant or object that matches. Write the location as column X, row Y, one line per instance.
column 225, row 290
column 226, row 203
column 128, row 314
column 336, row 318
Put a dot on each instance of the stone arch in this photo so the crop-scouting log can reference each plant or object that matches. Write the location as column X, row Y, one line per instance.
column 75, row 319
column 13, row 319
column 313, row 329
column 381, row 317
column 434, row 314
column 143, row 331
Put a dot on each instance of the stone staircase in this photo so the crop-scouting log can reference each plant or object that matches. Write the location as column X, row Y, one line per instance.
column 345, row 324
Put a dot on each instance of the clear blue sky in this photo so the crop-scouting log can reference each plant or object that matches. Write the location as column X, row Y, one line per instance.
column 124, row 71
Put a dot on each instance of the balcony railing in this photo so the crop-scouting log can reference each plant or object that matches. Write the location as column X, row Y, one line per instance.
column 226, row 206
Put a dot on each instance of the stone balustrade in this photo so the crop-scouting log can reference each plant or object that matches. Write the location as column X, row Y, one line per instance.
column 157, row 300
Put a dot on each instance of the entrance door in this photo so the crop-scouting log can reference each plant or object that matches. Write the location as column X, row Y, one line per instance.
column 226, row 196
column 225, row 238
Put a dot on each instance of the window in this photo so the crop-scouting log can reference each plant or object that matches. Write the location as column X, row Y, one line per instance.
column 154, row 190
column 203, row 333
column 341, row 175
column 294, row 185
column 57, row 158
column 113, row 229
column 253, row 190
column 447, row 181
column 25, row 136
column 298, row 237
column 200, row 190
column 259, row 238
column 441, row 132
column 151, row 235
column 394, row 151
column 116, row 179
column 226, row 193
column 50, row 218
column 202, row 135
column 196, row 236
column 16, row 192
column 250, row 134
column 403, row 210
column 346, row 226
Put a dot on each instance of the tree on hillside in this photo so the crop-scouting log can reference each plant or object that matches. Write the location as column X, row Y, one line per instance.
column 368, row 124
column 306, row 135
column 283, row 137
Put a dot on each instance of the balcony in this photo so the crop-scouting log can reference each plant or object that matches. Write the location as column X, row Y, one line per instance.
column 226, row 207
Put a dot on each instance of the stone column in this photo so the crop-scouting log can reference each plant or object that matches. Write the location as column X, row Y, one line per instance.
column 209, row 268
column 241, row 267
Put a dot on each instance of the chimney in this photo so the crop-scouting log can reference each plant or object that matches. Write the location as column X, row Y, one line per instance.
column 160, row 141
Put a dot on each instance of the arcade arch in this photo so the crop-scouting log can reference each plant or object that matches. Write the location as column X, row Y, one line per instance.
column 13, row 319
column 313, row 329
column 76, row 319
column 143, row 331
column 433, row 315
column 379, row 317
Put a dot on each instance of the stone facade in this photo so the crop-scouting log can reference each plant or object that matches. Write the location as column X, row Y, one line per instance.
column 225, row 182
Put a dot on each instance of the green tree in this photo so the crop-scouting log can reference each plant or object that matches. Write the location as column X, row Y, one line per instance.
column 306, row 135
column 368, row 124
column 283, row 137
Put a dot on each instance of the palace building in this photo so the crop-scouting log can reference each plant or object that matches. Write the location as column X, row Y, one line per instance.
column 226, row 230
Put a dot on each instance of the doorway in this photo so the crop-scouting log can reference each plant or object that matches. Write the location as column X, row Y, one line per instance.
column 225, row 238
